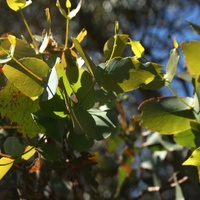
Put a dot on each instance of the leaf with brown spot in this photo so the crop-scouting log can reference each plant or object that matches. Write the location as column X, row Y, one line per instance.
column 18, row 108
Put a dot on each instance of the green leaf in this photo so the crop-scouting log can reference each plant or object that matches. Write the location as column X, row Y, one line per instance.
column 115, row 46
column 158, row 82
column 49, row 151
column 52, row 127
column 83, row 122
column 18, row 108
column 89, row 63
column 55, row 107
column 190, row 137
column 194, row 158
column 82, row 85
column 106, row 123
column 137, row 48
column 196, row 106
column 195, row 27
column 18, row 4
column 80, row 142
column 171, row 65
column 191, row 54
column 29, row 79
column 14, row 47
column 52, row 85
column 13, row 147
column 64, row 80
column 125, row 74
column 166, row 115
column 5, row 165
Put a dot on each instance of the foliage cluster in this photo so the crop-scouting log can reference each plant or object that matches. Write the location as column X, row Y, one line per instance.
column 60, row 104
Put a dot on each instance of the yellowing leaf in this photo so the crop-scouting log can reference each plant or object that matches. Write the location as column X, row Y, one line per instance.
column 194, row 158
column 81, row 35
column 5, row 165
column 137, row 48
column 18, row 4
column 28, row 152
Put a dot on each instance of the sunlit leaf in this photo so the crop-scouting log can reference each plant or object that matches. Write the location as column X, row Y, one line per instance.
column 89, row 63
column 18, row 4
column 5, row 165
column 82, row 85
column 81, row 36
column 125, row 74
column 115, row 46
column 74, row 12
column 166, row 115
column 54, row 107
column 171, row 65
column 191, row 54
column 194, row 158
column 13, row 147
column 137, row 48
column 159, row 81
column 190, row 137
column 18, row 107
column 29, row 79
column 28, row 152
column 52, row 84
column 64, row 80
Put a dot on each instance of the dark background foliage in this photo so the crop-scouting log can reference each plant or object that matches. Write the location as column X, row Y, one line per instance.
column 153, row 22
